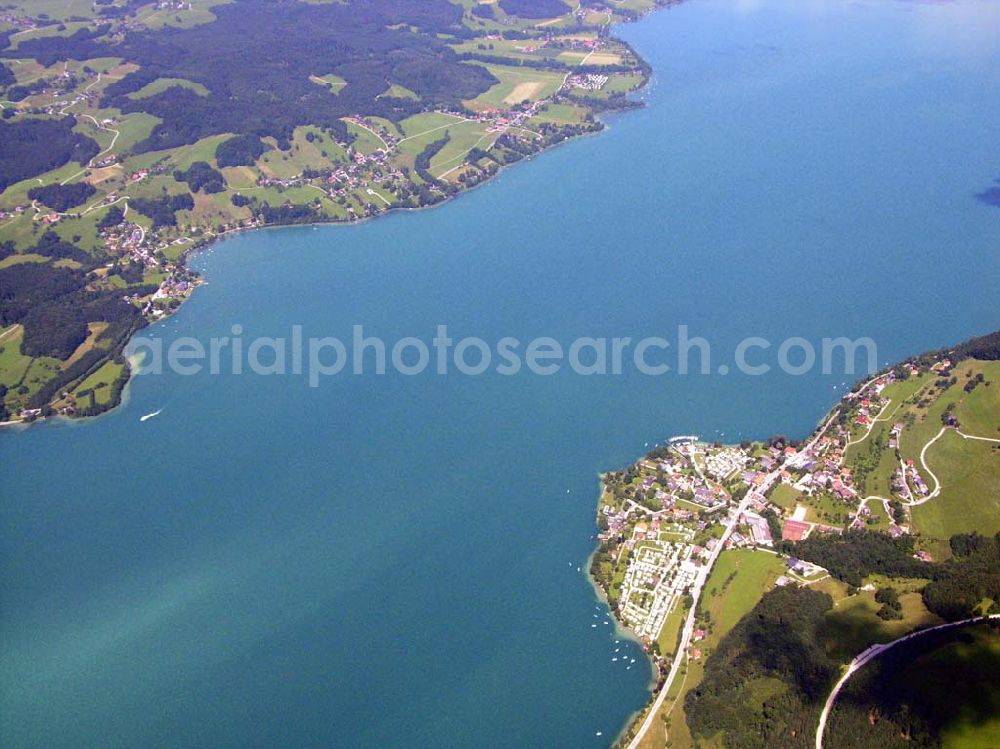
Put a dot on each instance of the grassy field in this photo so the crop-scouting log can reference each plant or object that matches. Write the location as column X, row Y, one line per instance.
column 13, row 364
column 738, row 581
column 879, row 518
column 40, row 32
column 62, row 9
column 576, row 57
column 322, row 152
column 926, row 413
column 181, row 157
column 852, row 625
column 517, row 85
column 826, row 509
column 979, row 411
column 365, row 141
column 667, row 640
column 398, row 91
column 100, row 382
column 94, row 330
column 332, row 82
column 421, row 124
column 162, row 84
column 426, row 128
column 517, row 49
column 969, row 471
column 560, row 114
column 873, row 470
column 464, row 137
column 785, row 496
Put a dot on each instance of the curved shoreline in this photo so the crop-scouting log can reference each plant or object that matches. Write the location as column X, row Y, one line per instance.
column 204, row 243
column 636, row 727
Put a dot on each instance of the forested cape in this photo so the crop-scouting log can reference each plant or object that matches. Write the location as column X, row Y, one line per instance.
column 54, row 305
column 765, row 683
column 897, row 702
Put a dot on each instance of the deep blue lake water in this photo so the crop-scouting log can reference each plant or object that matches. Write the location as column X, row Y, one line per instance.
column 393, row 561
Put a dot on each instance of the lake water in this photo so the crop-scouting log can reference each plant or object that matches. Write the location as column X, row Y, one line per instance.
column 393, row 561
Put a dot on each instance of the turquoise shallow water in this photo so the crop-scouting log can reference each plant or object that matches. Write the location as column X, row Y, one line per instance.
column 392, row 561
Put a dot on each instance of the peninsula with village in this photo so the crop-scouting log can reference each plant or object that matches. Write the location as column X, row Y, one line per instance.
column 135, row 131
column 760, row 577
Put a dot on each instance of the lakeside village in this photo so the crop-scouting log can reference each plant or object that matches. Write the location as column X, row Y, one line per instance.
column 160, row 249
column 661, row 521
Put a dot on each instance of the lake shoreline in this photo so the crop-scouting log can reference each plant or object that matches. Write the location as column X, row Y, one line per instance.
column 205, row 242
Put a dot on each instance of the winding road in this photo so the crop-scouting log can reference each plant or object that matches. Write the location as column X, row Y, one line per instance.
column 688, row 631
column 923, row 455
column 874, row 652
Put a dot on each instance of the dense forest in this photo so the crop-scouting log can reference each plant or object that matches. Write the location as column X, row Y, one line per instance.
column 535, row 8
column 288, row 213
column 766, row 682
column 894, row 701
column 423, row 161
column 62, row 197
column 54, row 305
column 956, row 587
column 201, row 176
column 963, row 582
column 257, row 58
column 51, row 245
column 984, row 347
column 163, row 210
column 30, row 147
column 856, row 554
column 240, row 150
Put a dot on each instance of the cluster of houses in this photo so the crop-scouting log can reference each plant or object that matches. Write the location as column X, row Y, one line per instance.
column 726, row 462
column 390, row 139
column 669, row 541
column 589, row 82
column 377, row 167
column 128, row 239
column 21, row 23
column 583, row 10
column 821, row 470
column 171, row 291
column 658, row 574
column 907, row 481
column 676, row 482
column 660, row 515
column 12, row 213
column 580, row 43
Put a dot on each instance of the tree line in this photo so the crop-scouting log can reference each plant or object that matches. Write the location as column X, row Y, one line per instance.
column 956, row 587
